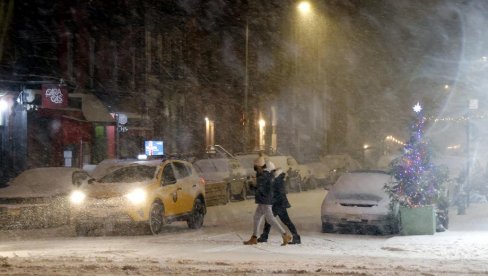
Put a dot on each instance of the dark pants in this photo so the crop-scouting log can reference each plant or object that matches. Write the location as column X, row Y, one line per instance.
column 283, row 215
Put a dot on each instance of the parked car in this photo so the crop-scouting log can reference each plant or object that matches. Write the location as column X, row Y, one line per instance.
column 358, row 203
column 320, row 173
column 338, row 164
column 149, row 192
column 298, row 176
column 247, row 162
column 226, row 170
column 37, row 198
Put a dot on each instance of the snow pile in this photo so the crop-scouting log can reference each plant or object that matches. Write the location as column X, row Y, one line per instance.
column 40, row 182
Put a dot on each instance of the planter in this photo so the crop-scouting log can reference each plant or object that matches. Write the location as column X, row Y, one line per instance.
column 417, row 221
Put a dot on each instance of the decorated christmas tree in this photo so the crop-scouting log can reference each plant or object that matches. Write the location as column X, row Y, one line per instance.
column 418, row 182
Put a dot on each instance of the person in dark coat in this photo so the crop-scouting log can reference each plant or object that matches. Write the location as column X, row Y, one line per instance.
column 280, row 204
column 264, row 200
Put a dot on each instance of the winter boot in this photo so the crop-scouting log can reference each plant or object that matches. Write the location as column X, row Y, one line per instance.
column 262, row 239
column 286, row 239
column 296, row 240
column 252, row 240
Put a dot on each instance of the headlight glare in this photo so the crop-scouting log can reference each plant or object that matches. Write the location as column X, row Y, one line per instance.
column 137, row 196
column 77, row 197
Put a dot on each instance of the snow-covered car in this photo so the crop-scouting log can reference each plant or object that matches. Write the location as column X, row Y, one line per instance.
column 320, row 173
column 338, row 164
column 247, row 162
column 37, row 198
column 358, row 203
column 227, row 170
column 298, row 176
column 152, row 193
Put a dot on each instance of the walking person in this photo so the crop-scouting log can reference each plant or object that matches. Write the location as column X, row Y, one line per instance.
column 264, row 199
column 280, row 204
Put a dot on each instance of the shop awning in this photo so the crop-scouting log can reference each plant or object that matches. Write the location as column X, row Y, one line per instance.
column 94, row 110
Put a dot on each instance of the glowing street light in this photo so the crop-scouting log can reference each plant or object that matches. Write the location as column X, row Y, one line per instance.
column 209, row 132
column 304, row 7
column 262, row 125
column 4, row 106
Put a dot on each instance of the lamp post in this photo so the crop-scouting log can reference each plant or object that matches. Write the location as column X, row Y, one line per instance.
column 209, row 132
column 245, row 118
column 472, row 105
column 262, row 125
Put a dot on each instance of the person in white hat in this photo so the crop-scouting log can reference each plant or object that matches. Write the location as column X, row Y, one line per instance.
column 280, row 204
column 264, row 199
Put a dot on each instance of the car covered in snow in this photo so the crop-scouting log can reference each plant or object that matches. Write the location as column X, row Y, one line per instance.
column 224, row 170
column 151, row 193
column 299, row 176
column 247, row 162
column 320, row 173
column 37, row 198
column 358, row 203
column 338, row 164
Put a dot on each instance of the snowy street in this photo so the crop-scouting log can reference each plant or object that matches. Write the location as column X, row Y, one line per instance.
column 217, row 248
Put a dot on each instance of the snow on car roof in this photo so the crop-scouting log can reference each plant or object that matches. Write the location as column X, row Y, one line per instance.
column 109, row 165
column 40, row 182
column 247, row 160
column 213, row 169
column 361, row 183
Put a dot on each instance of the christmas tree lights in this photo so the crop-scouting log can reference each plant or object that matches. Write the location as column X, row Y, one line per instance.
column 417, row 181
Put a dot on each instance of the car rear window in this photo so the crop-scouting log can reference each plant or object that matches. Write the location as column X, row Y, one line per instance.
column 367, row 186
column 222, row 165
column 247, row 161
column 181, row 170
column 204, row 166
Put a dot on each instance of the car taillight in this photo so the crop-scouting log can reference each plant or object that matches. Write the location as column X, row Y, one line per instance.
column 202, row 181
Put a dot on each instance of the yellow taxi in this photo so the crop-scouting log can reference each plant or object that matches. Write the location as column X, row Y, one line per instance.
column 153, row 192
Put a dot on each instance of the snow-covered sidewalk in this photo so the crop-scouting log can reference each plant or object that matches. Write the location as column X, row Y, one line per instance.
column 217, row 248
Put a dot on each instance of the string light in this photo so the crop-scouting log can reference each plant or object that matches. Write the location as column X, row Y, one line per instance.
column 390, row 138
column 453, row 147
column 457, row 119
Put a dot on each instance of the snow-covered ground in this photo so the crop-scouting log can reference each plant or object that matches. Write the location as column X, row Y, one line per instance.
column 217, row 248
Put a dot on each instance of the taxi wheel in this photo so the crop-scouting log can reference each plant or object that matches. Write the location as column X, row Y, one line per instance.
column 196, row 218
column 156, row 218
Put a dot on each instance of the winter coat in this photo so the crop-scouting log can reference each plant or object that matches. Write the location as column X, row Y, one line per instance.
column 280, row 199
column 264, row 190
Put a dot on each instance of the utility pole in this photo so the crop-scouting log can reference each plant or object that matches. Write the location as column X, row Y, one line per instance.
column 246, row 92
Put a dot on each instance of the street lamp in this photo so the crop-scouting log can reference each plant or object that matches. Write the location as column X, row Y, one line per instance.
column 209, row 132
column 246, row 91
column 304, row 7
column 262, row 125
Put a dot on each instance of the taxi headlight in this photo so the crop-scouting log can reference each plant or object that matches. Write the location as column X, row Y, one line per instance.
column 137, row 196
column 77, row 197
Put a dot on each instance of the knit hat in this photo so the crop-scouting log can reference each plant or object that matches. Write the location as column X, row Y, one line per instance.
column 270, row 166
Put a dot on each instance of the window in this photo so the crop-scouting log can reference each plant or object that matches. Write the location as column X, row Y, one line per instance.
column 168, row 175
column 181, row 170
